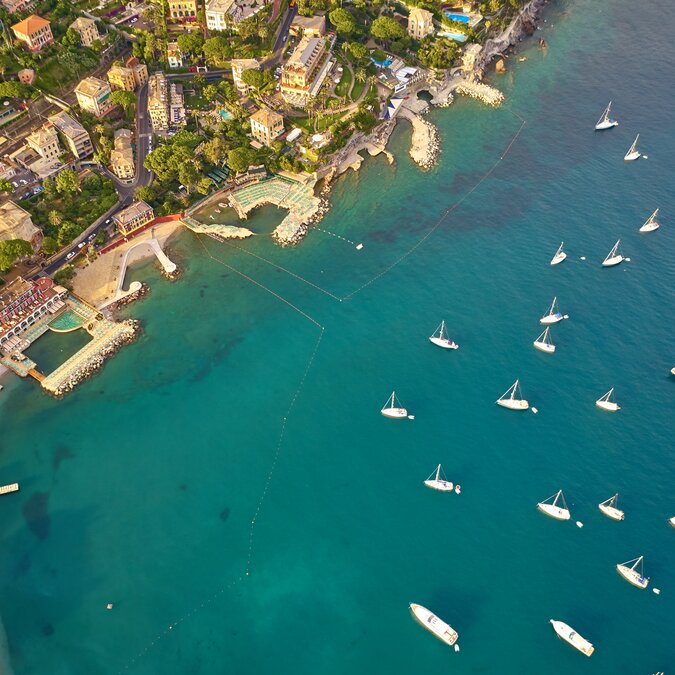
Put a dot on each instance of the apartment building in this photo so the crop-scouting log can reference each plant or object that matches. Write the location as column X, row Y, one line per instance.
column 93, row 95
column 74, row 135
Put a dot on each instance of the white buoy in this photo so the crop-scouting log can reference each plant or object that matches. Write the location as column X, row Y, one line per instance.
column 583, row 257
column 411, row 417
column 456, row 648
column 359, row 247
column 645, row 157
column 579, row 523
column 657, row 591
column 109, row 605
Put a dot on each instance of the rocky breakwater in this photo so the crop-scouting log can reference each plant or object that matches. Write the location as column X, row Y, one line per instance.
column 483, row 92
column 425, row 140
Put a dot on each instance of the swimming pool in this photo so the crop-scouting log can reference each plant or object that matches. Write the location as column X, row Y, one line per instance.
column 225, row 114
column 462, row 18
column 459, row 37
column 382, row 64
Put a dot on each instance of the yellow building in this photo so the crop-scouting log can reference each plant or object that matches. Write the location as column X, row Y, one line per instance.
column 16, row 223
column 122, row 155
column 182, row 10
column 303, row 73
column 133, row 217
column 86, row 29
column 129, row 77
column 45, row 141
column 34, row 31
column 266, row 125
column 93, row 95
column 420, row 23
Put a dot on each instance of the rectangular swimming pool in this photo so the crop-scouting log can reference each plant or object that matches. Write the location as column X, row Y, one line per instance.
column 462, row 18
column 459, row 37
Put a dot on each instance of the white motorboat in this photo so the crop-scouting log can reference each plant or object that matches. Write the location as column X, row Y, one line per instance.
column 633, row 153
column 508, row 398
column 435, row 482
column 553, row 315
column 613, row 257
column 672, row 521
column 559, row 256
column 569, row 635
column 392, row 410
column 440, row 339
column 551, row 508
column 433, row 624
column 605, row 121
column 604, row 402
column 629, row 572
column 651, row 223
column 608, row 507
column 543, row 343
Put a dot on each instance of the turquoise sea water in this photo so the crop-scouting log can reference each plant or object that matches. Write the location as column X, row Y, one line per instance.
column 228, row 483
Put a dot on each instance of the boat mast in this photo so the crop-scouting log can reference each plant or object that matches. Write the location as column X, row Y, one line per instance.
column 442, row 329
column 438, row 471
column 513, row 392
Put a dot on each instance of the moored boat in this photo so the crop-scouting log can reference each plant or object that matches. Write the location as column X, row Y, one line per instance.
column 441, row 340
column 633, row 153
column 553, row 315
column 508, row 398
column 433, row 624
column 632, row 575
column 672, row 521
column 604, row 402
column 608, row 507
column 613, row 257
column 543, row 343
column 569, row 635
column 392, row 410
column 651, row 223
column 559, row 256
column 605, row 121
column 435, row 482
column 551, row 508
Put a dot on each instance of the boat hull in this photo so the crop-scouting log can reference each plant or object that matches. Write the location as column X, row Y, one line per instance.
column 632, row 577
column 569, row 635
column 513, row 404
column 611, row 262
column 649, row 228
column 550, row 319
column 608, row 406
column 394, row 413
column 554, row 511
column 558, row 258
column 544, row 347
column 607, row 124
column 437, row 627
column 611, row 512
column 631, row 156
column 440, row 485
column 672, row 521
column 444, row 343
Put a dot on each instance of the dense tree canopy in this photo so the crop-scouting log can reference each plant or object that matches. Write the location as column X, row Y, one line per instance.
column 11, row 250
column 386, row 28
column 239, row 159
column 67, row 182
column 343, row 21
column 125, row 99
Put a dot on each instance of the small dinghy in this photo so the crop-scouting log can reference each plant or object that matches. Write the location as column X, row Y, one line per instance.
column 633, row 576
column 614, row 257
column 441, row 340
column 559, row 256
column 651, row 223
column 551, row 508
column 605, row 122
column 553, row 315
column 392, row 410
column 573, row 638
column 433, row 624
column 543, row 343
column 672, row 521
column 633, row 153
column 435, row 482
column 511, row 398
column 608, row 507
column 604, row 402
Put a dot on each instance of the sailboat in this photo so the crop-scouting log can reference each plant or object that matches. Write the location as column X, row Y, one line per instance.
column 433, row 624
column 608, row 507
column 441, row 340
column 605, row 404
column 554, row 315
column 559, row 256
column 651, row 223
column 552, row 509
column 633, row 152
column 508, row 398
column 613, row 257
column 631, row 575
column 543, row 342
column 605, row 122
column 438, row 483
column 573, row 638
column 392, row 410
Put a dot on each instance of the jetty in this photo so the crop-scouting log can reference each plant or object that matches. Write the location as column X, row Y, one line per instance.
column 12, row 487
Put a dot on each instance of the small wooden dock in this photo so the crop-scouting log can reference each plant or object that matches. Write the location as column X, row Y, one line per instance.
column 13, row 487
column 36, row 374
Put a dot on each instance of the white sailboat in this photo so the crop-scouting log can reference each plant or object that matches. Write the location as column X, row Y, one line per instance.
column 435, row 482
column 439, row 338
column 605, row 122
column 543, row 343
column 552, row 509
column 392, row 410
column 613, row 257
column 651, row 223
column 433, row 624
column 559, row 256
column 633, row 152
column 632, row 575
column 608, row 507
column 604, row 402
column 508, row 398
column 554, row 315
column 573, row 638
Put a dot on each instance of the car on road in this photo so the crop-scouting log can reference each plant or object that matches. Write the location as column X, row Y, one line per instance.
column 38, row 189
column 134, row 20
column 91, row 237
column 81, row 244
column 70, row 255
column 15, row 184
column 107, row 222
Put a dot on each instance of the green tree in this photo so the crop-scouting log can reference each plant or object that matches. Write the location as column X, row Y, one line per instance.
column 67, row 232
column 239, row 159
column 343, row 21
column 100, row 238
column 204, row 186
column 12, row 89
column 228, row 90
column 67, row 182
column 71, row 38
column 166, row 160
column 191, row 43
column 188, row 175
column 386, row 28
column 11, row 250
column 360, row 75
column 210, row 92
column 358, row 50
column 49, row 245
column 145, row 193
column 217, row 51
column 54, row 218
column 258, row 79
column 49, row 188
column 6, row 186
column 64, row 276
column 125, row 99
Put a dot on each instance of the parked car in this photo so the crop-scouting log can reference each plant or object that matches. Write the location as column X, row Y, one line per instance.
column 107, row 222
column 91, row 237
column 70, row 255
column 81, row 244
column 38, row 189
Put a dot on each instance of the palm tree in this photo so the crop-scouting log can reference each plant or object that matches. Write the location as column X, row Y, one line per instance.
column 360, row 75
column 54, row 218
